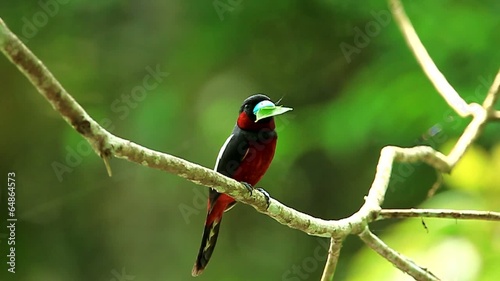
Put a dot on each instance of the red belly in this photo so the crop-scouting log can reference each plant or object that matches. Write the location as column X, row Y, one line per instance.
column 256, row 162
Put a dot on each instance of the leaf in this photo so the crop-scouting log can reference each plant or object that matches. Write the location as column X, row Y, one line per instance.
column 271, row 111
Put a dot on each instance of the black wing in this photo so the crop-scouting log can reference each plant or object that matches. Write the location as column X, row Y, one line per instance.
column 230, row 157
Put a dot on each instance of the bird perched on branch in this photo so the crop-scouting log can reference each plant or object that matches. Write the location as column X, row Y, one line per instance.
column 245, row 157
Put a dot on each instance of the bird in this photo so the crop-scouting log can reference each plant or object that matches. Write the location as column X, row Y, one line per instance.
column 245, row 156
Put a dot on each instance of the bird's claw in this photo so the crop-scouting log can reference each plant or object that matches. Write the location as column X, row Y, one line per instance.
column 250, row 189
column 248, row 186
column 266, row 195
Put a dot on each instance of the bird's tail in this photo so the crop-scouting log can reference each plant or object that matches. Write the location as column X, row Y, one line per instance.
column 208, row 242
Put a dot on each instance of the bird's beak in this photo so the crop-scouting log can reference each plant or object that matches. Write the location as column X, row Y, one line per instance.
column 265, row 109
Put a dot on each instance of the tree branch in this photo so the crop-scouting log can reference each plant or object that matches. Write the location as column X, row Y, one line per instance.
column 400, row 261
column 480, row 116
column 451, row 96
column 495, row 116
column 438, row 213
column 492, row 96
column 333, row 258
column 435, row 76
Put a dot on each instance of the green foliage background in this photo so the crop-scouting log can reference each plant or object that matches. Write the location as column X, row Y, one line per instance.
column 83, row 225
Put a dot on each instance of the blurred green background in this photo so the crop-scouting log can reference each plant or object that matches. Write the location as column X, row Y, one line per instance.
column 344, row 68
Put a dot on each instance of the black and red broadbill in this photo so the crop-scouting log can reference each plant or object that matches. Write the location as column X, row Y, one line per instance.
column 245, row 157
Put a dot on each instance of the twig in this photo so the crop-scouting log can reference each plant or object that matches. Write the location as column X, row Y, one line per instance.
column 438, row 213
column 333, row 257
column 108, row 166
column 481, row 115
column 451, row 96
column 400, row 261
column 469, row 135
column 435, row 76
column 492, row 96
column 437, row 184
column 370, row 209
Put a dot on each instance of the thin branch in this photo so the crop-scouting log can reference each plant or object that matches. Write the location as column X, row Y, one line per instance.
column 435, row 76
column 492, row 96
column 108, row 166
column 495, row 116
column 400, row 261
column 443, row 87
column 470, row 134
column 438, row 213
column 358, row 222
column 333, row 257
column 437, row 184
column 370, row 209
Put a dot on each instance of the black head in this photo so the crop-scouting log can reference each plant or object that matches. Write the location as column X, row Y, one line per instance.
column 250, row 103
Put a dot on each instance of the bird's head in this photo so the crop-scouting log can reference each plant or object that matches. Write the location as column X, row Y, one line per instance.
column 258, row 111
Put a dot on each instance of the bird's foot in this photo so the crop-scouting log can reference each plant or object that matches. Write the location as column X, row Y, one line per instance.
column 248, row 186
column 266, row 195
column 250, row 189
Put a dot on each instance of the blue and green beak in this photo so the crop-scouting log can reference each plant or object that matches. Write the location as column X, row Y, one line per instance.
column 265, row 109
